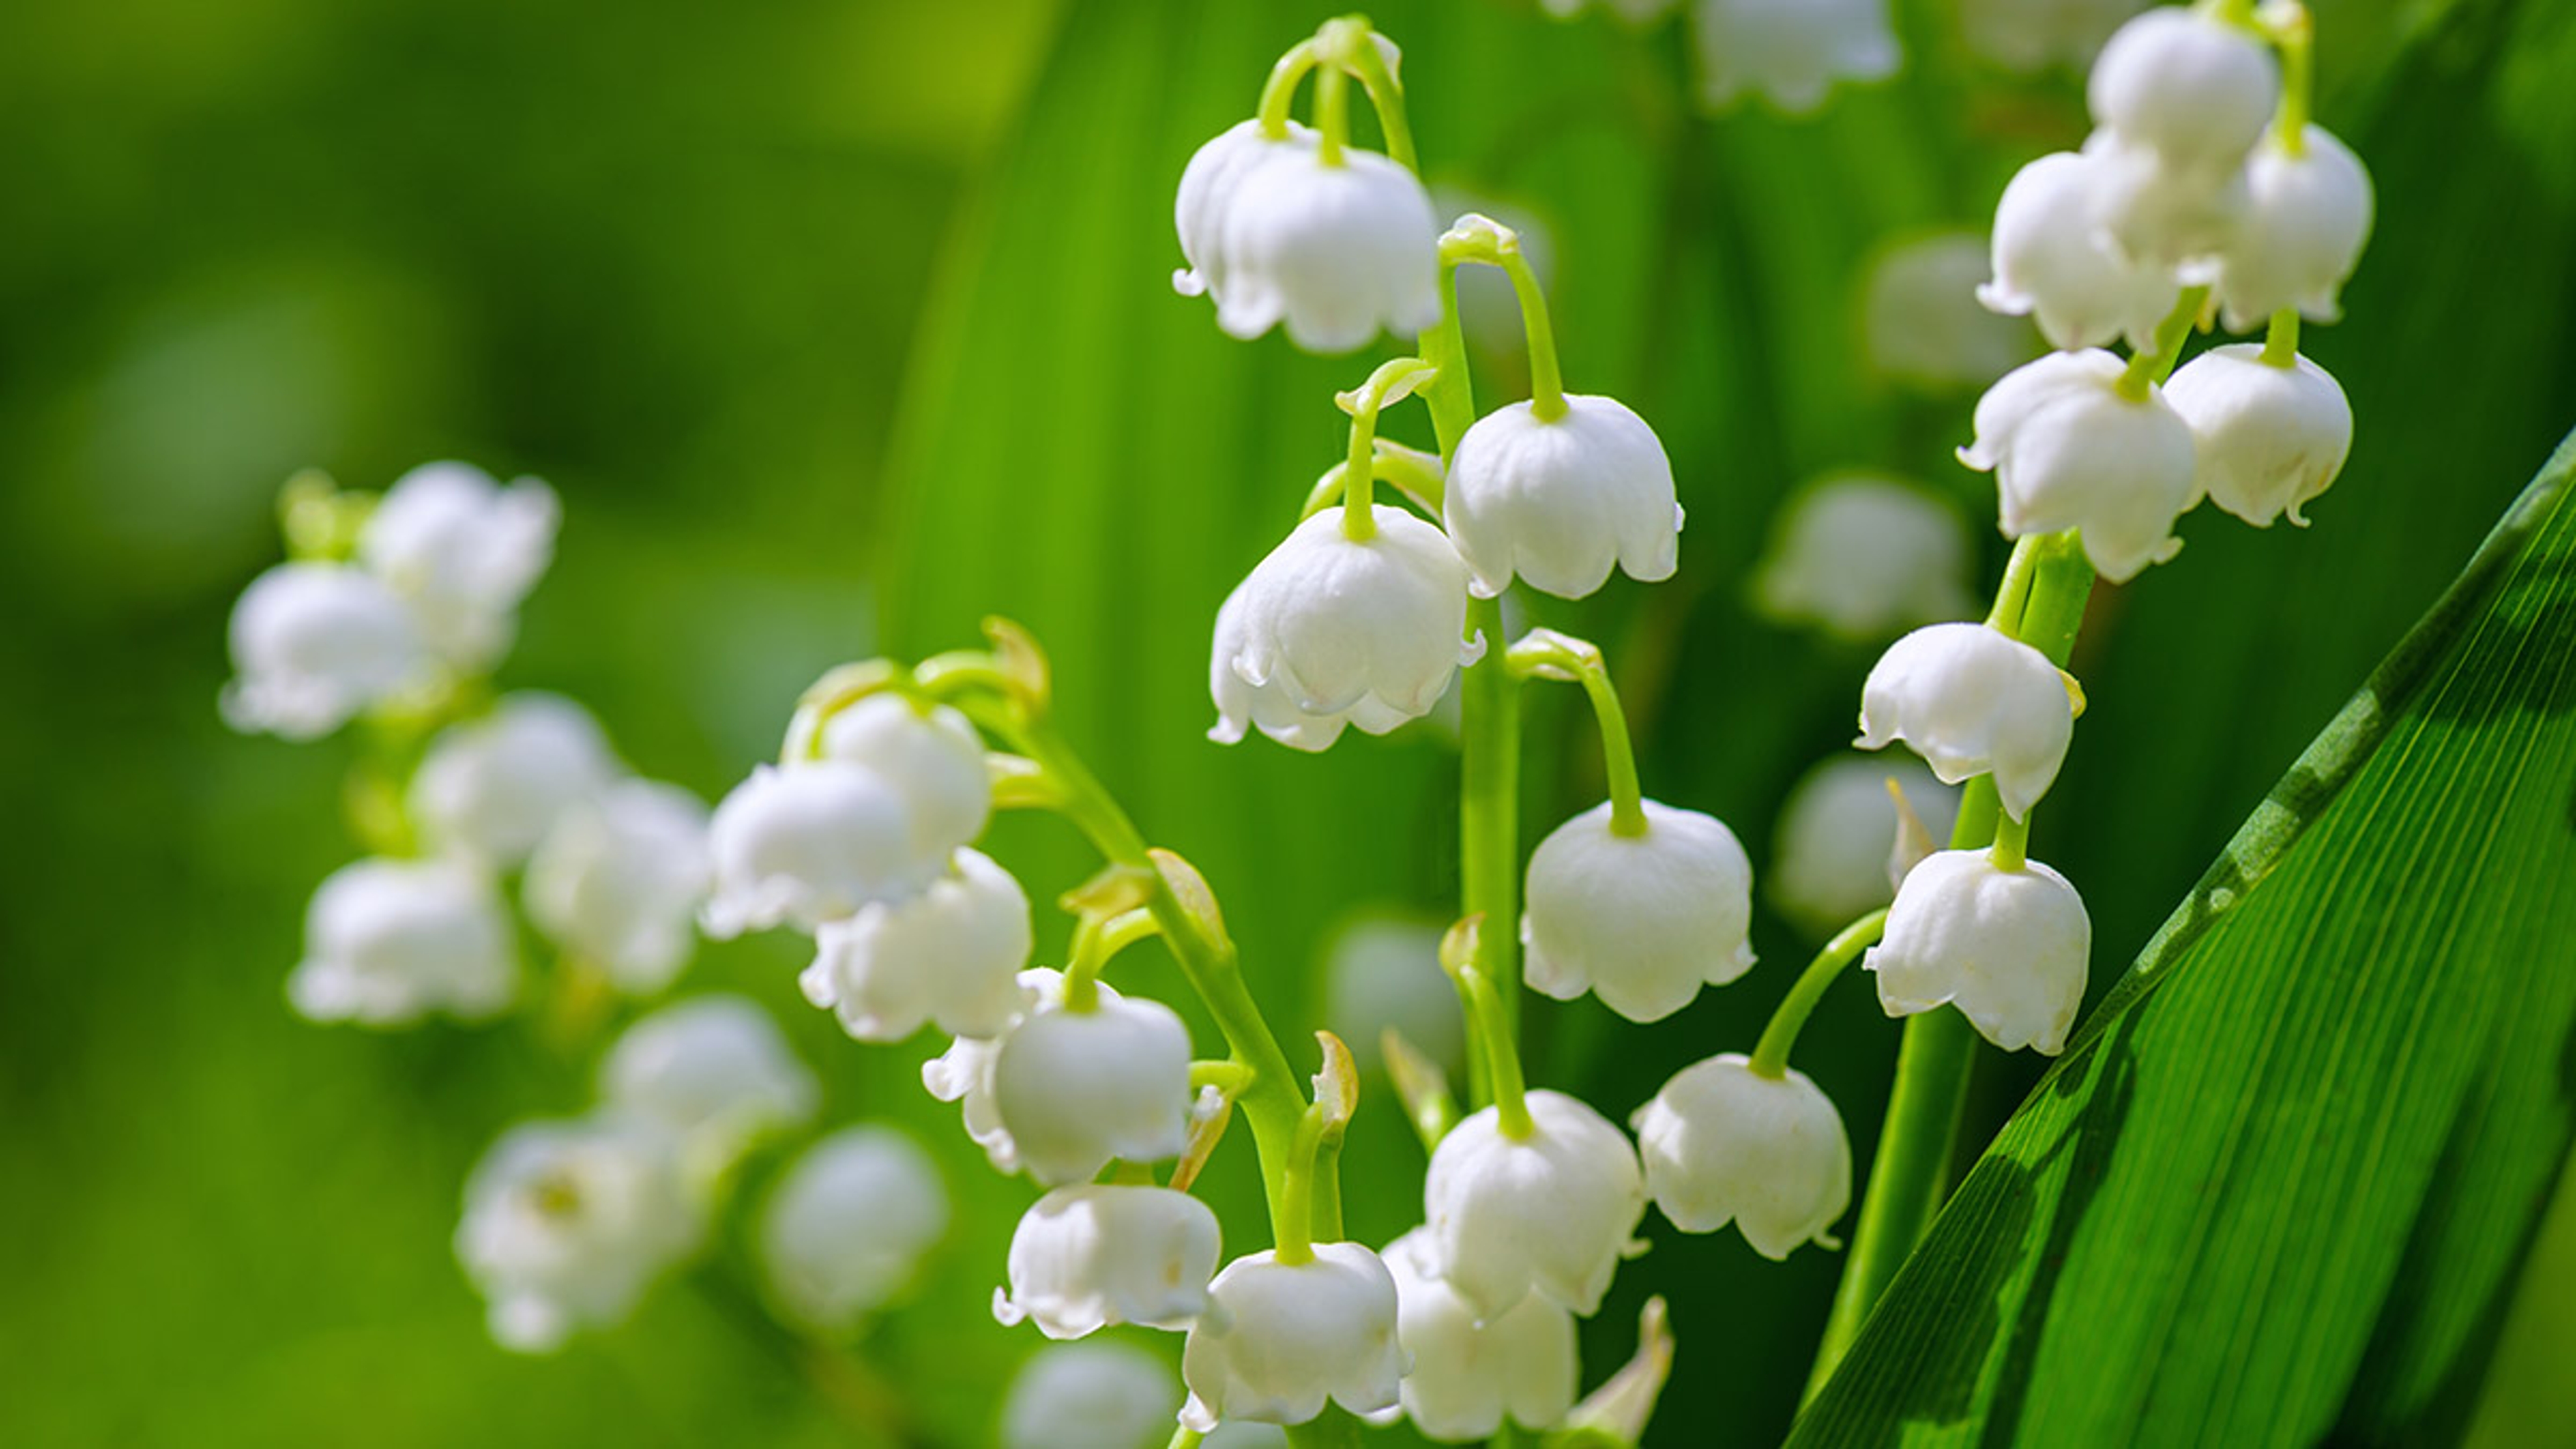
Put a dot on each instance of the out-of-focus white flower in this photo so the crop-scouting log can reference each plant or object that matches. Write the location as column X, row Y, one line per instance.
column 1922, row 320
column 2033, row 35
column 464, row 551
column 1723, row 1144
column 1560, row 501
column 1467, row 1374
column 387, row 942
column 1641, row 921
column 951, row 955
column 714, row 1072
column 1091, row 1256
column 619, row 879
column 932, row 757
column 1270, row 707
column 1554, row 1211
column 1384, row 971
column 567, row 1222
column 2009, row 948
column 2182, row 82
column 2268, row 438
column 1104, row 1395
column 847, row 1226
column 1830, row 849
column 1634, row 12
column 492, row 787
column 1790, row 51
column 1280, row 1338
column 1862, row 558
column 1371, row 630
column 810, row 843
column 2069, row 449
column 314, row 644
column 1969, row 700
column 2054, row 265
column 2306, row 219
column 1076, row 1089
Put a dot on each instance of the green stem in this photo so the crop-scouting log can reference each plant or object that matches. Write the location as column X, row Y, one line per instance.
column 1771, row 1053
column 1489, row 811
column 1294, row 1230
column 2015, row 588
column 1095, row 942
column 1480, row 239
column 1545, row 653
column 1389, row 381
column 1385, row 93
column 1485, row 1017
column 2011, row 849
column 2295, row 34
column 2154, row 363
column 1280, row 91
column 2281, row 340
column 1332, row 114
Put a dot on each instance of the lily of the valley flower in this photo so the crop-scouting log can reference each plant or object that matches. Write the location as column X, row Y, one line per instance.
column 1829, row 851
column 810, row 843
column 313, row 645
column 1863, row 558
column 1641, row 921
column 566, row 1223
column 1087, row 1257
column 387, row 942
column 1269, row 707
column 1790, row 52
column 1076, row 1088
column 491, row 788
column 2268, row 438
column 1280, row 1339
column 952, row 955
column 463, row 551
column 619, row 879
column 2033, row 35
column 2181, row 96
column 715, row 1073
column 2008, row 947
column 1922, row 320
column 1553, row 1212
column 1561, row 501
column 2307, row 215
column 931, row 756
column 2070, row 448
column 1972, row 700
column 847, row 1227
column 1103, row 1395
column 1722, row 1143
column 2052, row 264
column 1469, row 1374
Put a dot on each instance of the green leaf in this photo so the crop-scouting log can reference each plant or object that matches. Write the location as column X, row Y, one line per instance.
column 2279, row 1189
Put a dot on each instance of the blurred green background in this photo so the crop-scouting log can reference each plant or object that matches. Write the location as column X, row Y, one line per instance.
column 838, row 325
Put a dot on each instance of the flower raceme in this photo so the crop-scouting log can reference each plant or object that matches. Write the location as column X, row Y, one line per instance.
column 1085, row 1258
column 1560, row 501
column 1279, row 1339
column 1972, row 701
column 1723, row 1143
column 952, row 955
column 2268, row 437
column 2071, row 447
column 848, row 1225
column 2008, row 947
column 1470, row 1373
column 1642, row 921
column 1551, row 1213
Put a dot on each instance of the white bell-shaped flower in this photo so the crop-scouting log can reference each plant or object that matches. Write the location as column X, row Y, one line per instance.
column 1723, row 1143
column 2173, row 218
column 1641, row 921
column 464, row 551
column 932, row 757
column 2009, row 948
column 2306, row 219
column 1278, row 1339
column 2184, row 83
column 313, row 645
column 2069, row 449
column 1972, row 700
column 952, row 955
column 1790, row 52
column 1334, row 253
column 2054, row 265
column 1552, row 1212
column 618, row 881
column 810, row 843
column 1076, row 1089
column 964, row 1074
column 1862, row 558
column 1104, row 1395
column 1468, row 1374
column 2034, row 35
column 1831, row 846
column 1091, row 1256
column 2268, row 438
column 1206, row 197
column 1383, row 971
column 715, row 1072
column 567, row 1222
column 492, row 787
column 1922, row 321
column 848, row 1225
column 1364, row 628
column 1561, row 501
column 387, row 942
column 1270, row 706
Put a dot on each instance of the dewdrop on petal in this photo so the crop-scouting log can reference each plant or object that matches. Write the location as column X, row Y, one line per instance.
column 1561, row 501
column 1467, row 1376
column 1830, row 847
column 932, row 757
column 1972, row 700
column 2051, row 264
column 567, row 1222
column 810, row 843
column 1087, row 1257
column 952, row 955
column 1078, row 1088
column 1335, row 254
column 1723, row 1143
column 618, row 880
column 1863, row 558
column 1641, row 921
column 2187, row 85
column 1269, row 706
column 2009, row 948
column 463, row 551
column 1280, row 1338
column 387, row 942
column 492, row 787
column 1790, row 51
column 848, row 1225
column 1922, row 321
column 1552, row 1213
column 1105, row 1395
column 313, row 645
column 2268, row 438
column 2069, row 449
column 715, row 1073
column 2306, row 219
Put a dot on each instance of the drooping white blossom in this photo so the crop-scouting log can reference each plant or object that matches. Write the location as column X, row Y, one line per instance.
column 1561, row 501
column 848, row 1225
column 1269, row 707
column 2306, row 219
column 1104, row 1395
column 1641, row 921
column 1099, row 1254
column 930, row 755
column 964, row 1074
column 1722, row 1143
column 714, row 1072
column 1790, row 52
column 1923, row 323
column 1469, row 1374
column 1078, row 1088
column 2009, row 948
column 2033, row 35
column 387, row 942
column 492, row 787
column 952, row 955
column 1972, row 700
column 1280, row 1338
column 1862, row 558
column 313, row 645
column 1384, row 971
column 2268, row 439
column 2173, row 218
column 463, row 551
column 1206, row 197
column 567, row 1222
column 1830, row 848
column 2055, row 265
column 810, row 843
column 1553, row 1212
column 2070, row 449
column 618, row 880
column 2180, row 96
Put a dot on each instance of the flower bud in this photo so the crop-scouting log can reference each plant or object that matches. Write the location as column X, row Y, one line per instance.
column 2187, row 85
column 1467, row 1375
column 1724, row 1144
column 1970, row 700
column 1278, row 1339
column 1336, row 252
column 387, row 942
column 715, row 1073
column 567, row 1222
column 1104, row 1395
column 1790, row 51
column 952, row 955
column 2053, row 264
column 1269, row 706
column 464, row 552
column 2069, row 450
column 931, row 756
column 1554, row 1211
column 1829, row 850
column 1641, row 921
column 1862, row 558
column 847, row 1226
column 1076, row 1089
column 2009, row 948
column 492, row 787
column 1559, row 501
column 1088, row 1257
column 1922, row 320
column 618, row 881
column 2034, row 35
column 2268, row 438
column 2306, row 219
column 314, row 644
column 811, row 843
